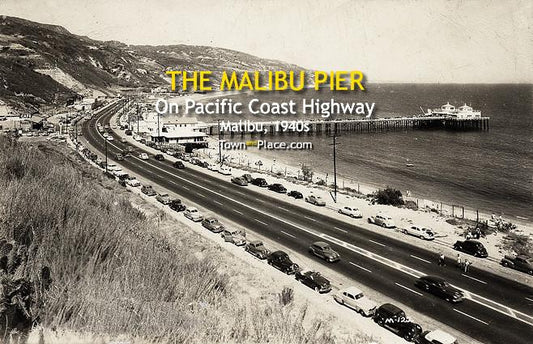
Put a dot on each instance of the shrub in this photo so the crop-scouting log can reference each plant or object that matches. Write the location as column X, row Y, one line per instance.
column 286, row 296
column 388, row 196
column 518, row 244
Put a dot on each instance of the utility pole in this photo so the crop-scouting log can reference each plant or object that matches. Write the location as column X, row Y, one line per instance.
column 219, row 142
column 137, row 111
column 105, row 140
column 334, row 144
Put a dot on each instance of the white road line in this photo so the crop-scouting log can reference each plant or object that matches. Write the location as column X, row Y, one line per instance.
column 237, row 211
column 422, row 259
column 266, row 224
column 527, row 298
column 288, row 234
column 475, row 279
column 360, row 267
column 411, row 290
column 340, row 229
column 310, row 218
column 201, row 195
column 217, row 202
column 283, row 208
column 470, row 316
column 377, row 243
column 186, row 188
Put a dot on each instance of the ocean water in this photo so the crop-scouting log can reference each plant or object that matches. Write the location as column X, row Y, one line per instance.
column 487, row 170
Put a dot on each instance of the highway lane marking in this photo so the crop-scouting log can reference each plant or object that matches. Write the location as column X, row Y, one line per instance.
column 360, row 267
column 474, row 297
column 422, row 259
column 266, row 224
column 475, row 279
column 377, row 243
column 186, row 188
column 283, row 208
column 217, row 202
column 239, row 212
column 201, row 195
column 411, row 290
column 288, row 234
column 340, row 229
column 527, row 298
column 310, row 218
column 470, row 316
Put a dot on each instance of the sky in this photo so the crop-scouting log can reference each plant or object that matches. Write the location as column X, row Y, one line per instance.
column 457, row 41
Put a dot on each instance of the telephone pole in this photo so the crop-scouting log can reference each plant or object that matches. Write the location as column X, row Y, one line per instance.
column 105, row 140
column 219, row 142
column 334, row 144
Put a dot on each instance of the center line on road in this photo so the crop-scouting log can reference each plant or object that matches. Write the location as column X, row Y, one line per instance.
column 475, row 279
column 360, row 267
column 411, row 290
column 186, row 188
column 529, row 299
column 217, row 202
column 201, row 195
column 266, row 224
column 470, row 316
column 287, row 234
column 340, row 229
column 237, row 211
column 377, row 243
column 422, row 259
column 283, row 208
column 310, row 218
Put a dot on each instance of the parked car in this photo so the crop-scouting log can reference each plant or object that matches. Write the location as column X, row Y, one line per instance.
column 520, row 263
column 316, row 200
column 128, row 149
column 122, row 182
column 239, row 181
column 143, row 156
column 213, row 225
column 225, row 170
column 421, row 232
column 439, row 287
column 133, row 182
column 159, row 157
column 128, row 132
column 382, row 220
column 257, row 249
column 314, row 280
column 213, row 167
column 281, row 261
column 193, row 214
column 176, row 205
column 354, row 298
column 261, row 182
column 472, row 247
column 352, row 212
column 178, row 164
column 276, row 187
column 295, row 194
column 394, row 319
column 435, row 337
column 163, row 198
column 247, row 177
column 323, row 250
column 119, row 157
column 235, row 236
column 123, row 140
column 148, row 190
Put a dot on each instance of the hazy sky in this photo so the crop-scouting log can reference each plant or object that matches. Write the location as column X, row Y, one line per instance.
column 401, row 41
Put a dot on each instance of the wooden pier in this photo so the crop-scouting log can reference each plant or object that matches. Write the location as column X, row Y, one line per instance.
column 376, row 125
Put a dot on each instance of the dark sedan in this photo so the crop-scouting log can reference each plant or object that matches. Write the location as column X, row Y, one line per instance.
column 323, row 250
column 257, row 249
column 295, row 194
column 520, row 263
column 439, row 287
column 394, row 319
column 176, row 205
column 314, row 280
column 159, row 157
column 260, row 182
column 281, row 261
column 277, row 188
column 472, row 247
column 178, row 164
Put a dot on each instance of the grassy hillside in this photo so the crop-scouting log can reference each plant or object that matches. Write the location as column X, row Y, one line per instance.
column 76, row 255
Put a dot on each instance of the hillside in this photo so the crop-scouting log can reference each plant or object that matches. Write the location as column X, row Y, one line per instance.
column 42, row 63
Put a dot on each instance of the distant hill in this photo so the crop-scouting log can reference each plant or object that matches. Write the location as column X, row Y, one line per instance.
column 46, row 64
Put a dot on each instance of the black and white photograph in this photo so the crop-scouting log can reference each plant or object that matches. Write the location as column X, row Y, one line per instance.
column 238, row 171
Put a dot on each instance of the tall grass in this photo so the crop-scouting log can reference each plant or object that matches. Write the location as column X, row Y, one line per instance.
column 113, row 273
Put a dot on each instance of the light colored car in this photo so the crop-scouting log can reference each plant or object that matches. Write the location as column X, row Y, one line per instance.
column 163, row 198
column 112, row 167
column 354, row 298
column 133, row 182
column 224, row 170
column 436, row 337
column 193, row 214
column 382, row 220
column 235, row 236
column 352, row 212
column 123, row 140
column 143, row 156
column 213, row 167
column 109, row 138
column 421, row 232
column 316, row 200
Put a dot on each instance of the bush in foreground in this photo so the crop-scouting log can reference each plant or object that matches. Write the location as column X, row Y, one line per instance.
column 388, row 196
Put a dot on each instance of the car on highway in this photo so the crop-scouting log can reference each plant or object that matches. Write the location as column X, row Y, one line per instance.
column 163, row 198
column 520, row 263
column 295, row 194
column 261, row 182
column 239, row 181
column 176, row 205
column 281, row 261
column 435, row 337
column 351, row 211
column 394, row 319
column 472, row 247
column 193, row 214
column 258, row 249
column 123, row 140
column 383, row 220
column 420, row 232
column 247, row 177
column 439, row 287
column 170, row 152
column 148, row 190
column 235, row 236
column 323, row 250
column 276, row 187
column 109, row 138
column 178, row 164
column 159, row 157
column 316, row 200
column 225, row 170
column 133, row 182
column 354, row 298
column 143, row 156
column 314, row 280
column 128, row 149
column 119, row 157
column 213, row 224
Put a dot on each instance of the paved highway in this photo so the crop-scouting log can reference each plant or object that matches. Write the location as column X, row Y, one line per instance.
column 387, row 265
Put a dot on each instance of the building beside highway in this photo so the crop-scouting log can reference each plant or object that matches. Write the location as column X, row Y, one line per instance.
column 173, row 130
